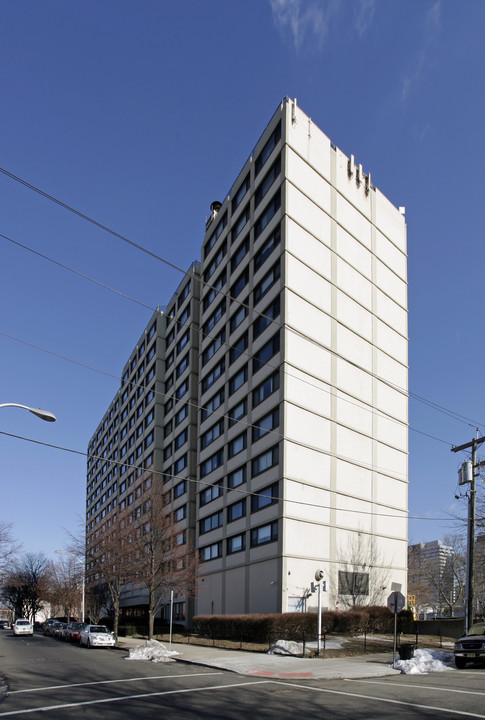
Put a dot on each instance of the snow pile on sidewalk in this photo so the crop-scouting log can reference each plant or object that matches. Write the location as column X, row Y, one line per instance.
column 288, row 647
column 152, row 650
column 426, row 661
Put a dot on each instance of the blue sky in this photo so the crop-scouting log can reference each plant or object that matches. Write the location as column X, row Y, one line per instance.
column 140, row 114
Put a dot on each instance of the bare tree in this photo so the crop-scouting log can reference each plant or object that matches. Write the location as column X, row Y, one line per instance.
column 363, row 575
column 65, row 586
column 27, row 586
column 9, row 549
column 165, row 560
column 112, row 560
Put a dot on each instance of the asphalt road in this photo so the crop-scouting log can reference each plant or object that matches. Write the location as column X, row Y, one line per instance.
column 50, row 679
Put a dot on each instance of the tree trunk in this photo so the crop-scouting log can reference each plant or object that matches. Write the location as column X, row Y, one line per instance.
column 151, row 623
column 116, row 610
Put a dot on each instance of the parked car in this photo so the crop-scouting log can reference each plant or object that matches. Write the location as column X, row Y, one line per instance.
column 97, row 636
column 471, row 647
column 51, row 629
column 58, row 629
column 4, row 625
column 47, row 625
column 73, row 631
column 23, row 627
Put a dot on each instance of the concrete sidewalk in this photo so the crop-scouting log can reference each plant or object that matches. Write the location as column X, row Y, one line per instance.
column 277, row 666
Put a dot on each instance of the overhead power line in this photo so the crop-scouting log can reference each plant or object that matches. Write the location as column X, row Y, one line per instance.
column 204, row 483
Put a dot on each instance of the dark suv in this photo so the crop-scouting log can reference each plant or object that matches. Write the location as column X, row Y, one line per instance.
column 471, row 647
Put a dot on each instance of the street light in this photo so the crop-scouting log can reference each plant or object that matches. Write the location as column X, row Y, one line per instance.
column 42, row 414
column 83, row 563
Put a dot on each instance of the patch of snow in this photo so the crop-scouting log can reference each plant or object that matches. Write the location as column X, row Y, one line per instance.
column 3, row 688
column 426, row 661
column 152, row 650
column 289, row 647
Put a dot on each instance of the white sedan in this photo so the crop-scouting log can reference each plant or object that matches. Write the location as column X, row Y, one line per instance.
column 23, row 627
column 97, row 636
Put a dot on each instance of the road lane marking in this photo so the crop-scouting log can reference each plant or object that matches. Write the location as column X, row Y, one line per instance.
column 107, row 682
column 425, row 687
column 386, row 700
column 124, row 698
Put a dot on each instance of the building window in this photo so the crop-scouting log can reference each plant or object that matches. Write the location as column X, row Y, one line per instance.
column 240, row 223
column 353, row 583
column 152, row 331
column 170, row 337
column 212, row 463
column 268, row 148
column 238, row 317
column 238, row 380
column 149, row 439
column 236, row 543
column 211, row 377
column 211, row 552
column 211, row 522
column 180, row 489
column 216, row 286
column 239, row 285
column 151, row 353
column 167, row 429
column 215, row 262
column 214, row 318
column 212, row 405
column 267, row 182
column 241, row 193
column 181, row 415
column 183, row 341
column 237, row 444
column 181, row 439
column 266, row 424
column 167, row 453
column 182, row 366
column 238, row 347
column 180, row 464
column 180, row 513
column 236, row 510
column 169, row 359
column 267, row 316
column 236, row 477
column 215, row 235
column 212, row 434
column 265, row 461
column 268, row 214
column 266, row 283
column 184, row 293
column 239, row 254
column 211, row 492
column 268, row 351
column 238, row 412
column 265, row 497
column 264, row 534
column 184, row 317
column 182, row 389
column 214, row 346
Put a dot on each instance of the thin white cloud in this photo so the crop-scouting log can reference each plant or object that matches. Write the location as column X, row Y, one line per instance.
column 363, row 16
column 304, row 18
column 432, row 25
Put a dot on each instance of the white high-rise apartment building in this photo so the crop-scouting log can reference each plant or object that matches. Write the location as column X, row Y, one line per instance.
column 282, row 431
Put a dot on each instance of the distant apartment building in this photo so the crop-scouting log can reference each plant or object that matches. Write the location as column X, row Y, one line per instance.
column 432, row 577
column 271, row 396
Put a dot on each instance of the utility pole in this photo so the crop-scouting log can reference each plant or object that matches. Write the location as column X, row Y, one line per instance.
column 470, row 580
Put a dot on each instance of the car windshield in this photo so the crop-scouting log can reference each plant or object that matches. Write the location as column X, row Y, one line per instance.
column 476, row 630
column 99, row 629
column 23, row 622
column 77, row 626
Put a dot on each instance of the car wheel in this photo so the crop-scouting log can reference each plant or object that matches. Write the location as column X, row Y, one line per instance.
column 460, row 662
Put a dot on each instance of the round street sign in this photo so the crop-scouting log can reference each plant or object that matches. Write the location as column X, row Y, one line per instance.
column 396, row 602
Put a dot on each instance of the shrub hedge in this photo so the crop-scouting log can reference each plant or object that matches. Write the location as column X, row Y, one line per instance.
column 296, row 625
